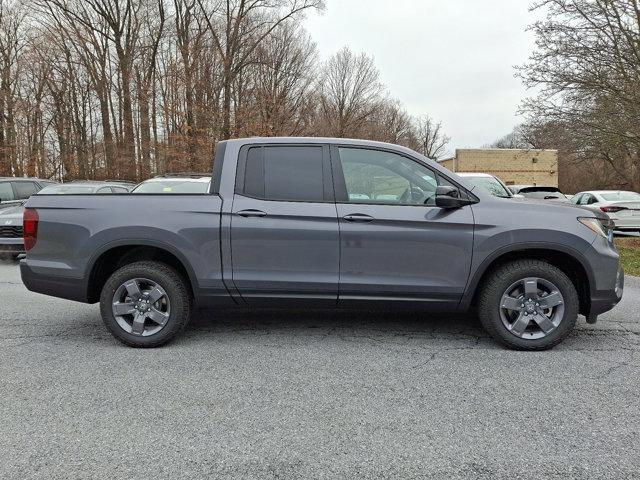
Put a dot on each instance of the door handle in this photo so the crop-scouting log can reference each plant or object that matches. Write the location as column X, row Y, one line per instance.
column 251, row 212
column 358, row 217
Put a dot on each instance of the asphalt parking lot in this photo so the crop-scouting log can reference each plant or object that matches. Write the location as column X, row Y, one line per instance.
column 312, row 395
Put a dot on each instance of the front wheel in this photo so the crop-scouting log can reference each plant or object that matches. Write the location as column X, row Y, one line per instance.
column 528, row 305
column 145, row 304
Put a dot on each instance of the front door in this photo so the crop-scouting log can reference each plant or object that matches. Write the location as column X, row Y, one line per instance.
column 284, row 226
column 395, row 243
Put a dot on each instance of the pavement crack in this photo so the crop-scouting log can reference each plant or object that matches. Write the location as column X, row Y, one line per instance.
column 429, row 360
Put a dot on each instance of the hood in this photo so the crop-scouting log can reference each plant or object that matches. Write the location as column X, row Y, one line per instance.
column 566, row 205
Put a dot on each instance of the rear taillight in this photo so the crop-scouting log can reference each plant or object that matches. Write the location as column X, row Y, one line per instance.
column 29, row 228
column 612, row 209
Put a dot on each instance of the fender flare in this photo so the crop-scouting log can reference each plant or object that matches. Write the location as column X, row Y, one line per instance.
column 141, row 242
column 474, row 280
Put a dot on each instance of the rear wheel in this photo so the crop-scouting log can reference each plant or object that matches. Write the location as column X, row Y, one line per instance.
column 145, row 304
column 528, row 305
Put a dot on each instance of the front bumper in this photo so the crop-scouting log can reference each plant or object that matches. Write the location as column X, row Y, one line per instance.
column 604, row 300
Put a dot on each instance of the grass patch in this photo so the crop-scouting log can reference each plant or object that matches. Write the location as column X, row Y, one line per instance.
column 629, row 249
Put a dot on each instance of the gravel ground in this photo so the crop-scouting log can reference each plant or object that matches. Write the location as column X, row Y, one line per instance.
column 312, row 395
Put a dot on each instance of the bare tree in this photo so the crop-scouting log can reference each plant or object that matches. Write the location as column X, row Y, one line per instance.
column 127, row 88
column 587, row 69
column 11, row 46
column 391, row 123
column 350, row 93
column 432, row 142
column 145, row 69
column 282, row 83
column 238, row 27
column 89, row 40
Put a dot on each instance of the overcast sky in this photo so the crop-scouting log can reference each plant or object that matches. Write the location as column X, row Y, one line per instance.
column 452, row 59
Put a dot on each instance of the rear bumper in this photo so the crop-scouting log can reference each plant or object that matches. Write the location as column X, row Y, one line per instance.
column 626, row 223
column 56, row 286
column 11, row 245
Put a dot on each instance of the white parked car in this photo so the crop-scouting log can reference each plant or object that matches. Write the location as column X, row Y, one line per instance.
column 488, row 182
column 176, row 183
column 622, row 207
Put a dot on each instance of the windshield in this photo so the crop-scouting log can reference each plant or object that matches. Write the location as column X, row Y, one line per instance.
column 173, row 186
column 491, row 185
column 618, row 196
column 66, row 189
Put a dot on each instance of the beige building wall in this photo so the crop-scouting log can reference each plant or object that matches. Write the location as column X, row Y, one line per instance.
column 512, row 166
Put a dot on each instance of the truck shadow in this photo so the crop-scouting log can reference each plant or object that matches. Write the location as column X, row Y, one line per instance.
column 311, row 325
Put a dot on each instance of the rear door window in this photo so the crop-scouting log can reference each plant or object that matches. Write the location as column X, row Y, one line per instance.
column 284, row 173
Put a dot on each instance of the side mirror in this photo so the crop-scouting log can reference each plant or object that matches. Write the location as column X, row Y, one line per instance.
column 449, row 197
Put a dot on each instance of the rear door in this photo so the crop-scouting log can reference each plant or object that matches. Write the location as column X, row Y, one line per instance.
column 284, row 226
column 395, row 243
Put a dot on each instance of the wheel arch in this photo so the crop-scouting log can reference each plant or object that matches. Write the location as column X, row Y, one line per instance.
column 570, row 261
column 117, row 254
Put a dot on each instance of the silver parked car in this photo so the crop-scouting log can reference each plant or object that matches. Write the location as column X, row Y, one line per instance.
column 15, row 190
column 488, row 182
column 88, row 187
column 623, row 207
column 11, row 234
column 11, row 242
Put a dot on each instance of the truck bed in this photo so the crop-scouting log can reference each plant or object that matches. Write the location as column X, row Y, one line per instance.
column 75, row 231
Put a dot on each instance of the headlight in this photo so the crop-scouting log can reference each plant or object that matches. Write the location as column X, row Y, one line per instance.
column 600, row 227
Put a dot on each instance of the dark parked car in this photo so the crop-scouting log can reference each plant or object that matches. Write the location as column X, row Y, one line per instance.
column 15, row 189
column 11, row 241
column 329, row 223
column 539, row 192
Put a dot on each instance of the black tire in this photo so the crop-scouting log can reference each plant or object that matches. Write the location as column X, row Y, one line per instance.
column 499, row 281
column 177, row 291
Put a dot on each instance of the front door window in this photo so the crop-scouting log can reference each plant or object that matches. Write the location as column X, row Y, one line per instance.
column 379, row 177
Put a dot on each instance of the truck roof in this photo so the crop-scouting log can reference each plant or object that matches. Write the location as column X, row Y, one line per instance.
column 318, row 140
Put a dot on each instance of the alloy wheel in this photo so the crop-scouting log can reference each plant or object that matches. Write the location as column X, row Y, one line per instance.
column 141, row 307
column 531, row 308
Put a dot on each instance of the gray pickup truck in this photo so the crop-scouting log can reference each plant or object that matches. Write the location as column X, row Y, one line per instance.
column 319, row 222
